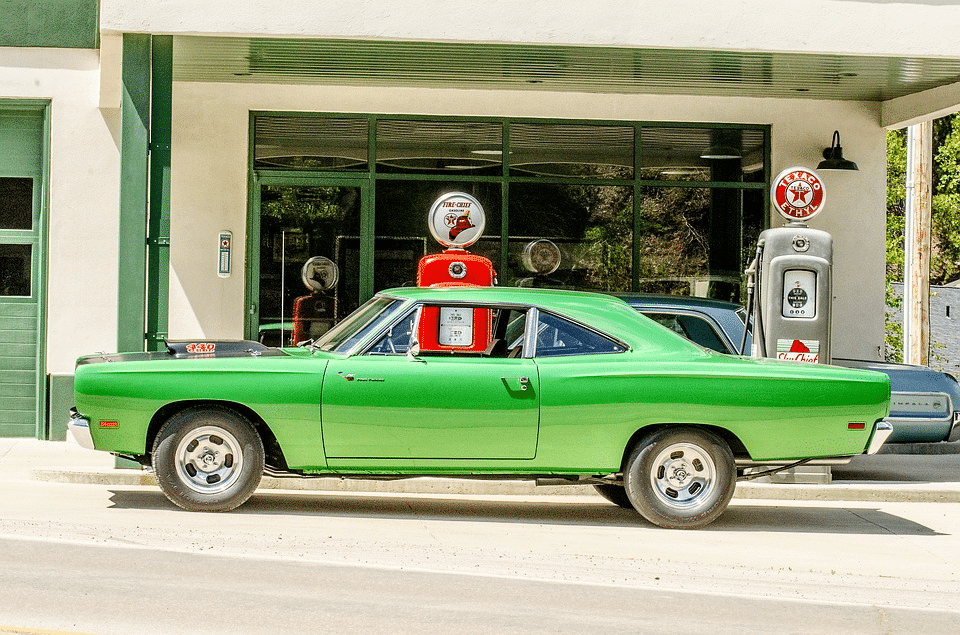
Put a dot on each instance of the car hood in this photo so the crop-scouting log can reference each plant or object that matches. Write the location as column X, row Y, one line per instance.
column 193, row 349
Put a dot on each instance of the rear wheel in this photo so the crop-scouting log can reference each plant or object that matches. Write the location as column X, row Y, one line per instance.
column 681, row 478
column 616, row 494
column 208, row 459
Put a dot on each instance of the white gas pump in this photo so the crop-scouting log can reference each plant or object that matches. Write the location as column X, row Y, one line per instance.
column 791, row 305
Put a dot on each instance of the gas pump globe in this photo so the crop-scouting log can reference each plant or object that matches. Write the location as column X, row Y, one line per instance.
column 456, row 221
column 793, row 273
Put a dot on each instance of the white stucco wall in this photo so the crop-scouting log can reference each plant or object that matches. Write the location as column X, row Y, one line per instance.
column 84, row 194
column 209, row 194
column 918, row 27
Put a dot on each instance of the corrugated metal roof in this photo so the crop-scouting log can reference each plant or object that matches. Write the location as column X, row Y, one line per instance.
column 556, row 68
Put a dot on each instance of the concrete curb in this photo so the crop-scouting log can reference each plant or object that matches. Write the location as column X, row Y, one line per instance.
column 889, row 492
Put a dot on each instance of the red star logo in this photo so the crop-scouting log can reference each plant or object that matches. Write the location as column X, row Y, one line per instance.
column 799, row 194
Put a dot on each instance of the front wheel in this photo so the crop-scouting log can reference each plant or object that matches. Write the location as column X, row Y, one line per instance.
column 681, row 478
column 208, row 459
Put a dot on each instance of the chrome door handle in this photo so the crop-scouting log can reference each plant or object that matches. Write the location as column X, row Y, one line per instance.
column 514, row 383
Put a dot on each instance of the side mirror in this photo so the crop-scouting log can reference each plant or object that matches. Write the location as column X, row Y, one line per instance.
column 414, row 351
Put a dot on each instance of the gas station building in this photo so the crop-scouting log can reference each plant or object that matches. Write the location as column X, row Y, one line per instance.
column 167, row 168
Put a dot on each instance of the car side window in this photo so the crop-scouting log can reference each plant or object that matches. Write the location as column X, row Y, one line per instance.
column 557, row 337
column 692, row 327
column 396, row 341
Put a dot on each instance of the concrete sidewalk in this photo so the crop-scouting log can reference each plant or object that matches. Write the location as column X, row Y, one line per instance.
column 67, row 462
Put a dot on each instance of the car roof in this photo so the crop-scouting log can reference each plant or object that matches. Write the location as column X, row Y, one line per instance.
column 654, row 299
column 601, row 311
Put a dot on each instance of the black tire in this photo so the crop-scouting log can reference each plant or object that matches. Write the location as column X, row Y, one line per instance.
column 208, row 459
column 616, row 494
column 681, row 478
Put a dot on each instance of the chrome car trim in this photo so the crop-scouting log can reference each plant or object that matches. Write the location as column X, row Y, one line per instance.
column 79, row 427
column 914, row 403
column 881, row 432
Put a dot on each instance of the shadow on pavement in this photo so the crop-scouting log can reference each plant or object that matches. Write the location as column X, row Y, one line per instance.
column 788, row 518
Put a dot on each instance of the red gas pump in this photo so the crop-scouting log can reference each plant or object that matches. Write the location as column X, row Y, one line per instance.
column 456, row 221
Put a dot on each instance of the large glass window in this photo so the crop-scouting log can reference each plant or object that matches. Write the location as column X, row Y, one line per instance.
column 607, row 206
column 310, row 143
column 439, row 147
column 701, row 154
column 298, row 224
column 571, row 150
column 570, row 236
column 402, row 236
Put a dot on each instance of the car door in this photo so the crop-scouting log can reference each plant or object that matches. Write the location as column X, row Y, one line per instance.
column 388, row 404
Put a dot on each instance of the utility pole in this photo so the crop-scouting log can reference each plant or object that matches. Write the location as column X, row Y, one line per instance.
column 916, row 272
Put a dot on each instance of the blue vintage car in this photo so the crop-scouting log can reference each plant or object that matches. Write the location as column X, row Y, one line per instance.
column 924, row 403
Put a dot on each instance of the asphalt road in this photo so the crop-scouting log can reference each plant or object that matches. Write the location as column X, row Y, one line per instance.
column 102, row 559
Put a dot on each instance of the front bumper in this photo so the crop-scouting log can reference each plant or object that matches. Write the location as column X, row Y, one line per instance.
column 79, row 427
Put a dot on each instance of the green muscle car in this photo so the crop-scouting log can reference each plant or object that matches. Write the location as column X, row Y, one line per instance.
column 477, row 382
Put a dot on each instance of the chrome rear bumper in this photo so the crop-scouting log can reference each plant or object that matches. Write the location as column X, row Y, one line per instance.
column 881, row 432
column 79, row 427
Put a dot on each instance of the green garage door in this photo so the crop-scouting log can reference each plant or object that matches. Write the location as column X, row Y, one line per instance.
column 21, row 247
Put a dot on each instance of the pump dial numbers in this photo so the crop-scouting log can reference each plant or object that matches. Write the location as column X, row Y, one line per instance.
column 799, row 294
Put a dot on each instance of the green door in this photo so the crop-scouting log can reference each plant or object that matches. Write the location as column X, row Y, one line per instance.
column 21, row 252
column 434, row 407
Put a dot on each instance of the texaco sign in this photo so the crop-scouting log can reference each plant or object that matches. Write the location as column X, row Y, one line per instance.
column 798, row 194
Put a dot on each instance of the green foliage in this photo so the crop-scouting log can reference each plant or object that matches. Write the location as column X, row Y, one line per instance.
column 945, row 216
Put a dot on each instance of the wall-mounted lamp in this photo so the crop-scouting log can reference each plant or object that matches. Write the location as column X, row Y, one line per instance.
column 833, row 156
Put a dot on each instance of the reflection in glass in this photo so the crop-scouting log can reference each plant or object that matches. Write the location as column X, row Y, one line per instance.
column 296, row 224
column 540, row 149
column 430, row 147
column 15, row 268
column 696, row 241
column 310, row 143
column 591, row 225
column 701, row 154
column 402, row 235
column 16, row 203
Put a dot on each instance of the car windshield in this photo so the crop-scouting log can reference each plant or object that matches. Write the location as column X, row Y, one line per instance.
column 366, row 319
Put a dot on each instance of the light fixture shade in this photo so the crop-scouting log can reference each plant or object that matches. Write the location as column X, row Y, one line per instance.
column 833, row 156
column 721, row 152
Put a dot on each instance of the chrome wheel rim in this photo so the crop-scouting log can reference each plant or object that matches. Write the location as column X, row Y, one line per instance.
column 683, row 476
column 209, row 460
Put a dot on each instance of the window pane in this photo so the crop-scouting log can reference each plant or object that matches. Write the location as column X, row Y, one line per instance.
column 701, row 154
column 16, row 203
column 556, row 337
column 693, row 328
column 697, row 241
column 432, row 147
column 396, row 341
column 15, row 267
column 310, row 143
column 307, row 223
column 402, row 235
column 571, row 150
column 591, row 227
